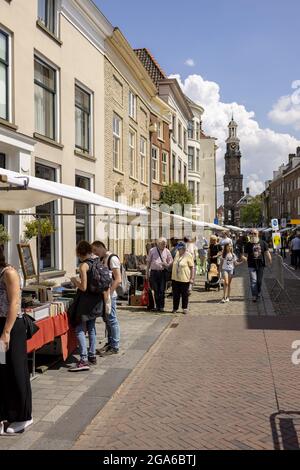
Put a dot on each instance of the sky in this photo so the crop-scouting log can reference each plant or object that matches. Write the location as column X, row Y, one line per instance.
column 228, row 55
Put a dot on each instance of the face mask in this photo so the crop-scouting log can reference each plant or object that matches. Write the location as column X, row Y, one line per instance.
column 254, row 239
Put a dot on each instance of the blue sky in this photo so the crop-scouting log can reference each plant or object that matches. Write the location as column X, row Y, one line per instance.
column 249, row 47
column 246, row 58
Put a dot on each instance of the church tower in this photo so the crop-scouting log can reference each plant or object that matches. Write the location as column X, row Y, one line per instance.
column 233, row 180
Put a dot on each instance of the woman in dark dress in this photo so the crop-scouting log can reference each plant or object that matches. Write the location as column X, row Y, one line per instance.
column 214, row 251
column 15, row 389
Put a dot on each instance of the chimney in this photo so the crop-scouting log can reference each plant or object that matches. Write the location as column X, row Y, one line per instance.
column 248, row 191
column 298, row 151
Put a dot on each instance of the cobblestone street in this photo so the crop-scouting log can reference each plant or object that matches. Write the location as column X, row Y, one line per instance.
column 219, row 378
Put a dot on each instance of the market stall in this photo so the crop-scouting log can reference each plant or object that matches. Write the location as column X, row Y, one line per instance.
column 46, row 304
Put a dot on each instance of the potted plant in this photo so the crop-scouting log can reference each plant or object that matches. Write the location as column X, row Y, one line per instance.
column 38, row 227
column 4, row 235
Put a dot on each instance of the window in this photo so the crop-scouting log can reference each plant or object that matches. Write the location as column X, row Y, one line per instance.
column 173, row 168
column 4, row 75
column 2, row 165
column 155, row 168
column 45, row 98
column 48, row 244
column 143, row 157
column 164, row 158
column 198, row 131
column 82, row 120
column 132, row 154
column 198, row 193
column 2, row 160
column 191, row 129
column 191, row 158
column 180, row 134
column 185, row 140
column 117, row 132
column 132, row 105
column 47, row 14
column 82, row 211
column 174, row 126
column 160, row 130
column 192, row 188
column 179, row 170
column 197, row 160
column 185, row 174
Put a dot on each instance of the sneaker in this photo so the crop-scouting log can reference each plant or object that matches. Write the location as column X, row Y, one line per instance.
column 223, row 301
column 227, row 300
column 18, row 426
column 174, row 311
column 92, row 360
column 109, row 352
column 81, row 365
column 101, row 350
column 185, row 311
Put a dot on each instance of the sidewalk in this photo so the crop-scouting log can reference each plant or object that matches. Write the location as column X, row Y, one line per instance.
column 217, row 379
column 64, row 403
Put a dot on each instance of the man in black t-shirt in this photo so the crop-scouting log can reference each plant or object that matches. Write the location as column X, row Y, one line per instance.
column 256, row 251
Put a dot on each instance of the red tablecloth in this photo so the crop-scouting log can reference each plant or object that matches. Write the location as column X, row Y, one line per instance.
column 50, row 328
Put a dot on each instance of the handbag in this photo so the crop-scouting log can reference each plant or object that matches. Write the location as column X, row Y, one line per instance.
column 30, row 326
column 167, row 271
column 145, row 294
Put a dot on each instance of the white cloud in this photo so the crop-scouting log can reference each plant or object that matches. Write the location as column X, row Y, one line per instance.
column 263, row 150
column 286, row 110
column 190, row 62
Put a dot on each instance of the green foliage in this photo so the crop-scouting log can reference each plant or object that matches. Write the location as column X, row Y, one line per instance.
column 4, row 236
column 252, row 213
column 176, row 193
column 44, row 226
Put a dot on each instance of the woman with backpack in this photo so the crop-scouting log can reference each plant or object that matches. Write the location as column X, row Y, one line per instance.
column 88, row 306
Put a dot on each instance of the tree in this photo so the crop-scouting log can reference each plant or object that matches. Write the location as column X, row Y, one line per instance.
column 251, row 214
column 176, row 193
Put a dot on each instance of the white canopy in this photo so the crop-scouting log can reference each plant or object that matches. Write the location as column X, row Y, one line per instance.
column 41, row 191
column 235, row 229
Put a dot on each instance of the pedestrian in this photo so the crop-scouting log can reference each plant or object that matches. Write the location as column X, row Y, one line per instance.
column 89, row 306
column 202, row 253
column 283, row 246
column 295, row 247
column 15, row 389
column 159, row 261
column 256, row 251
column 214, row 251
column 228, row 263
column 225, row 239
column 239, row 246
column 113, row 263
column 182, row 277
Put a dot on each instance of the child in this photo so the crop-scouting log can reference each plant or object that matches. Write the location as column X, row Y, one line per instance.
column 213, row 272
column 228, row 262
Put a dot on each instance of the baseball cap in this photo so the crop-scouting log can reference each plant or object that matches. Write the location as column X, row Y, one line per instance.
column 181, row 245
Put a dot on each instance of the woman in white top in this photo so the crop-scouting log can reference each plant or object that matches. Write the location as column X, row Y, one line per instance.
column 228, row 262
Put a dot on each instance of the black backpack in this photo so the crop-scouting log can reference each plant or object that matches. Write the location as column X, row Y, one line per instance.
column 99, row 279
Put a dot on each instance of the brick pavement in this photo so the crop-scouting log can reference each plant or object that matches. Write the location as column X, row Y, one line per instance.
column 64, row 404
column 214, row 380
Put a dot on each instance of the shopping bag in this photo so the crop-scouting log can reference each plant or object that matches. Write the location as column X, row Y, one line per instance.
column 145, row 294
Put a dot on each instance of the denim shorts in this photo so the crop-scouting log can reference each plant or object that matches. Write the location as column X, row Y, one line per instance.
column 230, row 272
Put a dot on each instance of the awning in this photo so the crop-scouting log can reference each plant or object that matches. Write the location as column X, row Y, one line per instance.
column 187, row 221
column 235, row 229
column 41, row 191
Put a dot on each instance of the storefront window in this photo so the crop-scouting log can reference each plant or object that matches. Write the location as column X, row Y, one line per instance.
column 47, row 248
